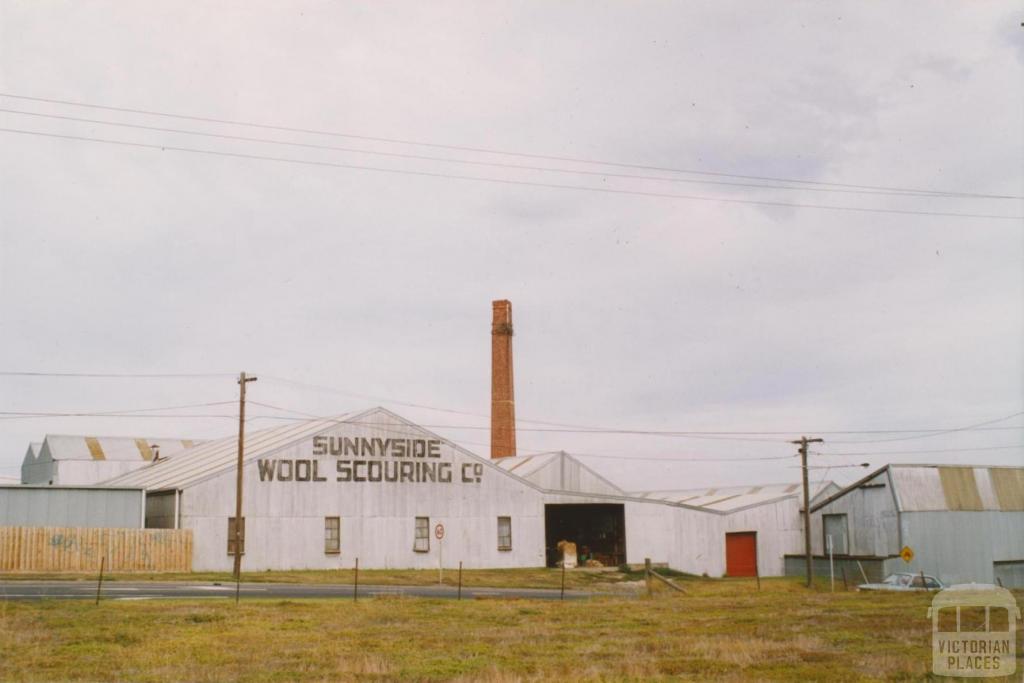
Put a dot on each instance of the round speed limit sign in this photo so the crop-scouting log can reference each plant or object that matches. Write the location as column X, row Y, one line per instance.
column 439, row 531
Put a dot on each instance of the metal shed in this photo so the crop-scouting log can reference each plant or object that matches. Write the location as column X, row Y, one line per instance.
column 71, row 506
column 63, row 460
column 963, row 523
column 760, row 523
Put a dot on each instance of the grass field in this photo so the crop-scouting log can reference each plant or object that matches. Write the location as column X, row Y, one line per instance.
column 720, row 630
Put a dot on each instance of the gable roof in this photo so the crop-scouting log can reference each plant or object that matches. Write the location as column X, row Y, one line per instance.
column 213, row 458
column 57, row 447
column 558, row 471
column 926, row 488
column 32, row 453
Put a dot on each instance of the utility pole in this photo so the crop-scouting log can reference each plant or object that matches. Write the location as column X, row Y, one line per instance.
column 807, row 502
column 242, row 381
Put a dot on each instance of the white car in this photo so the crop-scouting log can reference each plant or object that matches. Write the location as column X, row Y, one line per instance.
column 904, row 582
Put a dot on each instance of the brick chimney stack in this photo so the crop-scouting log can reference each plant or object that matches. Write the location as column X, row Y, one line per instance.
column 503, row 406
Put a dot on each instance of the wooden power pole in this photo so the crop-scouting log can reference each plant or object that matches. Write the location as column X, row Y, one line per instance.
column 807, row 502
column 242, row 381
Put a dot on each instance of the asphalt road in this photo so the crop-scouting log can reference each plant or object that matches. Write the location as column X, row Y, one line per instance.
column 145, row 590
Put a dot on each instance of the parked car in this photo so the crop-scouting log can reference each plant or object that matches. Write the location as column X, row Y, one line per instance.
column 904, row 581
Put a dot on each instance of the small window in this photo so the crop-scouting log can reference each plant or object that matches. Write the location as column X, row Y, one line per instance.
column 231, row 536
column 332, row 535
column 504, row 533
column 421, row 543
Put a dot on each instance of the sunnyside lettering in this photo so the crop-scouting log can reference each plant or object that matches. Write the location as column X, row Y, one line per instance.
column 376, row 460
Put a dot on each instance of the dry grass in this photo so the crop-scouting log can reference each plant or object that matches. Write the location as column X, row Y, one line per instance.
column 720, row 631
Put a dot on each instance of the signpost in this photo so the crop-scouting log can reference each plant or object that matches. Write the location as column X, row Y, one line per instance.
column 439, row 535
column 831, row 567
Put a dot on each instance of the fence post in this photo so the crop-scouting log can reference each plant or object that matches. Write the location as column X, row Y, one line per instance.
column 460, row 581
column 355, row 585
column 99, row 585
column 757, row 573
column 562, row 595
column 647, row 576
column 842, row 568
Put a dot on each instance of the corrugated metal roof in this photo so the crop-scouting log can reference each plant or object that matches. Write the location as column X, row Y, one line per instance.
column 925, row 488
column 922, row 488
column 558, row 471
column 525, row 465
column 1008, row 487
column 731, row 498
column 199, row 462
column 121, row 448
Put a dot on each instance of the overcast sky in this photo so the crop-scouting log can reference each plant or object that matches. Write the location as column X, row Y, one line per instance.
column 631, row 310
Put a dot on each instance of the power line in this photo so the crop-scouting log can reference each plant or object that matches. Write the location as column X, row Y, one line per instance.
column 118, row 375
column 117, row 415
column 552, row 427
column 535, row 451
column 517, row 183
column 833, row 467
column 935, row 433
column 483, row 150
column 928, row 450
column 675, row 458
column 111, row 412
column 368, row 397
column 522, row 167
column 572, row 428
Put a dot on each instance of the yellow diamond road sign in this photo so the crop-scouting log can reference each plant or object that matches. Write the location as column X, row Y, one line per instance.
column 907, row 554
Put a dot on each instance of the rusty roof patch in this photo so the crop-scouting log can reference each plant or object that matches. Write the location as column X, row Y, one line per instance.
column 1008, row 484
column 95, row 449
column 144, row 450
column 960, row 488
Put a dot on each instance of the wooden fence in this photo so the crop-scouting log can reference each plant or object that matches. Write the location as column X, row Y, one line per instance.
column 60, row 549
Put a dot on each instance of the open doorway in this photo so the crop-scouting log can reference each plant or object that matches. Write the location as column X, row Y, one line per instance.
column 598, row 530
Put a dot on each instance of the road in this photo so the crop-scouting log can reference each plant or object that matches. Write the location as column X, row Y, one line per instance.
column 145, row 590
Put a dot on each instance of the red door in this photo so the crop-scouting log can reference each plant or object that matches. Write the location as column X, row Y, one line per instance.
column 741, row 554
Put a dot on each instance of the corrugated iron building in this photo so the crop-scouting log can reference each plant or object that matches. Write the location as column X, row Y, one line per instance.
column 760, row 524
column 61, row 460
column 963, row 524
column 71, row 506
column 319, row 493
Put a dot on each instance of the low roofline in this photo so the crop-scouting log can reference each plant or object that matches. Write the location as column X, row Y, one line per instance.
column 702, row 488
